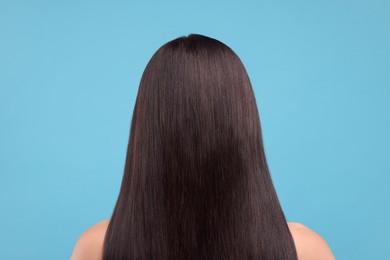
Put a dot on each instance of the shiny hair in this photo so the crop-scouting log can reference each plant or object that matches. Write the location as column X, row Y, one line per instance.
column 196, row 184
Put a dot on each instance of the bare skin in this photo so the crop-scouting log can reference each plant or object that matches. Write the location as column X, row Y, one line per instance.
column 309, row 244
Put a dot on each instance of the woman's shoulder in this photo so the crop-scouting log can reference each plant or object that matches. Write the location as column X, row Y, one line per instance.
column 309, row 244
column 90, row 243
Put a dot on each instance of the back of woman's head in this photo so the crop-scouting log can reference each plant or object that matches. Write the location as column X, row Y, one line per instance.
column 196, row 184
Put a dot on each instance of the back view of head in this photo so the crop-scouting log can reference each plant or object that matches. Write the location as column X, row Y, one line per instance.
column 196, row 184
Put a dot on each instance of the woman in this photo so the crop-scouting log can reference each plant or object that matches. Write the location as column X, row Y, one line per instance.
column 196, row 184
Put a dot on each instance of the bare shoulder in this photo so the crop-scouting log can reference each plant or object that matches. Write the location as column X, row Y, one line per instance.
column 90, row 243
column 309, row 244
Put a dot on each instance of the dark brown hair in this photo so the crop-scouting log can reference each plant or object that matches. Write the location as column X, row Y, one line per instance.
column 196, row 184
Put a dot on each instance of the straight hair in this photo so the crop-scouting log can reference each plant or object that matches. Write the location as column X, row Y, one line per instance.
column 196, row 184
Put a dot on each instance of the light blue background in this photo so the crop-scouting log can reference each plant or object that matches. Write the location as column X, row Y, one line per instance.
column 69, row 77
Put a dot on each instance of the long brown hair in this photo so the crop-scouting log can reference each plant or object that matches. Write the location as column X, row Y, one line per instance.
column 196, row 184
